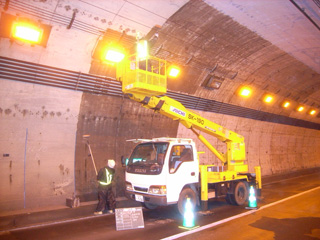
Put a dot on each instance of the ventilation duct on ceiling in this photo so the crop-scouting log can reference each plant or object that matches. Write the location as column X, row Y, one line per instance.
column 212, row 82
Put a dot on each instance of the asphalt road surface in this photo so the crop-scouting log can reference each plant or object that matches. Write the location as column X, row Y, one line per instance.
column 289, row 209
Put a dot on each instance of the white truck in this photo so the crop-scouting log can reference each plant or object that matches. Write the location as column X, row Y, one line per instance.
column 165, row 171
column 161, row 171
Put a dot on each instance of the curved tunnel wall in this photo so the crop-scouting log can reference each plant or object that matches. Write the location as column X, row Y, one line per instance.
column 44, row 159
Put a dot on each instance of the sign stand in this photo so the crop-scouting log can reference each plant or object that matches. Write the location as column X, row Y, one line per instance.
column 129, row 218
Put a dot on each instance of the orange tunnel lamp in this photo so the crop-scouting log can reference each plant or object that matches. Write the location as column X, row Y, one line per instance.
column 27, row 32
column 245, row 92
column 114, row 55
column 300, row 108
column 268, row 98
column 173, row 71
column 312, row 112
column 285, row 104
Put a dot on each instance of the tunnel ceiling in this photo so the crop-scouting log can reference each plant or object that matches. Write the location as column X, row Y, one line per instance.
column 207, row 42
column 269, row 45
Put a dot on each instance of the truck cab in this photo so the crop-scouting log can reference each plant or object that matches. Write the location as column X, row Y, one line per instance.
column 160, row 170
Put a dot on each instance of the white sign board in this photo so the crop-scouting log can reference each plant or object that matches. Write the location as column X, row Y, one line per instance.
column 129, row 218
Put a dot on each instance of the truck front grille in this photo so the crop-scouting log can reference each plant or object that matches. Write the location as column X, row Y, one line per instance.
column 141, row 189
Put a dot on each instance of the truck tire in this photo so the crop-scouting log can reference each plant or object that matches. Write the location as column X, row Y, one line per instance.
column 149, row 205
column 230, row 199
column 186, row 193
column 240, row 193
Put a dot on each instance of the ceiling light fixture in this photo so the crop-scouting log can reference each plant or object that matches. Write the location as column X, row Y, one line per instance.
column 114, row 55
column 245, row 92
column 173, row 71
column 300, row 108
column 26, row 32
column 285, row 104
column 312, row 112
column 268, row 98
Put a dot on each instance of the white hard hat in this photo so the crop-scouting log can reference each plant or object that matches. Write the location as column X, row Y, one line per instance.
column 111, row 163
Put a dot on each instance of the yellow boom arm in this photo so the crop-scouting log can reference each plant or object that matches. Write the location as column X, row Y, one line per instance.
column 144, row 80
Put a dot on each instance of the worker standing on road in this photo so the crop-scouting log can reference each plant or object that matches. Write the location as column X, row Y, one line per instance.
column 105, row 195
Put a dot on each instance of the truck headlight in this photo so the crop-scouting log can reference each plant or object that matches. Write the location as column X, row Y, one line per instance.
column 129, row 186
column 161, row 190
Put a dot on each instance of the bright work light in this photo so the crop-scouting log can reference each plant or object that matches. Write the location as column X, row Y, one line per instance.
column 245, row 92
column 285, row 104
column 300, row 108
column 142, row 49
column 26, row 32
column 113, row 55
column 267, row 98
column 173, row 71
column 312, row 112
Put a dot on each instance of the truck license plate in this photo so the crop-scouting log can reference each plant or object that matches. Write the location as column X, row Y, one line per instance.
column 139, row 198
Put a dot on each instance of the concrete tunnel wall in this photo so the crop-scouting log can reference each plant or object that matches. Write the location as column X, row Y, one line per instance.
column 38, row 128
column 44, row 159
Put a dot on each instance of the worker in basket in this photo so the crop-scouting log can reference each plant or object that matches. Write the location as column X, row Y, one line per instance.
column 105, row 195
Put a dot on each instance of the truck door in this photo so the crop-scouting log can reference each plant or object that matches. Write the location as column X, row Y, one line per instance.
column 182, row 170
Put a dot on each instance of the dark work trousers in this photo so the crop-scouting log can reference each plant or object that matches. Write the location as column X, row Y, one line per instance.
column 106, row 200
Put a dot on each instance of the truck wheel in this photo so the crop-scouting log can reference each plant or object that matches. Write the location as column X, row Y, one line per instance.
column 186, row 193
column 150, row 205
column 240, row 193
column 230, row 199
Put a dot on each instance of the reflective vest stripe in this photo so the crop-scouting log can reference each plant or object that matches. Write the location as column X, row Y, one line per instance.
column 108, row 178
column 104, row 183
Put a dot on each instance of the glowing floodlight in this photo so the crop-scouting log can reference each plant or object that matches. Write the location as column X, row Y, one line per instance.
column 245, row 92
column 267, row 98
column 173, row 71
column 114, row 55
column 285, row 104
column 300, row 108
column 312, row 112
column 27, row 32
column 142, row 49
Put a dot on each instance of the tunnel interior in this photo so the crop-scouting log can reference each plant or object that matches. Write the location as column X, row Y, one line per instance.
column 57, row 90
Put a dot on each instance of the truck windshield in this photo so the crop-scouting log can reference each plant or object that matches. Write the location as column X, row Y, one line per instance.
column 147, row 158
column 148, row 153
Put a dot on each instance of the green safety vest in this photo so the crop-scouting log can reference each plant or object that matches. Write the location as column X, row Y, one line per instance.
column 108, row 178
